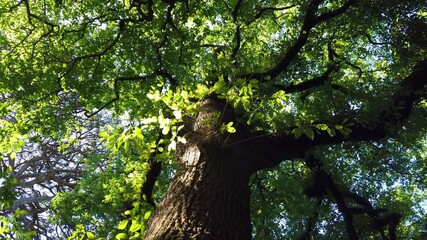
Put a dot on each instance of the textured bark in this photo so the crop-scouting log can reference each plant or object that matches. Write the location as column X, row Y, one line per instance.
column 208, row 199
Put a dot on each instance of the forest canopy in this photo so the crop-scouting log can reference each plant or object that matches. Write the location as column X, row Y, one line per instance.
column 231, row 119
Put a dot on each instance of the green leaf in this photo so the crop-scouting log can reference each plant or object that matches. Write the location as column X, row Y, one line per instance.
column 322, row 127
column 201, row 91
column 135, row 236
column 331, row 132
column 309, row 133
column 281, row 95
column 166, row 130
column 135, row 226
column 348, row 130
column 228, row 128
column 243, row 90
column 138, row 133
column 123, row 223
column 121, row 236
column 297, row 132
column 90, row 235
column 220, row 86
column 104, row 134
column 147, row 215
column 253, row 82
column 345, row 131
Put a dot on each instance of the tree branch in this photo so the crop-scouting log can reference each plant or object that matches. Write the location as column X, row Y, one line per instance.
column 335, row 13
column 144, row 16
column 312, row 83
column 308, row 233
column 286, row 147
column 150, row 180
column 263, row 10
column 116, row 91
column 371, row 41
column 324, row 186
column 411, row 89
column 22, row 201
column 310, row 21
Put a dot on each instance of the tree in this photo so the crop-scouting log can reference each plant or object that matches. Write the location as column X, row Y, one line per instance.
column 43, row 168
column 305, row 115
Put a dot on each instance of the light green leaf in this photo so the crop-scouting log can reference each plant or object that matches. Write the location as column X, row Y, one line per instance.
column 322, row 127
column 121, row 236
column 138, row 133
column 165, row 130
column 135, row 226
column 135, row 236
column 103, row 135
column 123, row 223
column 228, row 127
column 147, row 215
column 220, row 86
column 90, row 235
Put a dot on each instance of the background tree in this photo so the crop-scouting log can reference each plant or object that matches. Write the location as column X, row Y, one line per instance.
column 42, row 167
column 304, row 118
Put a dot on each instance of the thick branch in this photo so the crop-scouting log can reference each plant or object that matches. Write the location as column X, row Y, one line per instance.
column 311, row 221
column 324, row 186
column 151, row 178
column 411, row 89
column 336, row 12
column 310, row 21
column 286, row 146
column 309, row 84
column 263, row 10
column 235, row 12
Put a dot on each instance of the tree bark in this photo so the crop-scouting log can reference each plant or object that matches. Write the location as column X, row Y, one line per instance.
column 208, row 199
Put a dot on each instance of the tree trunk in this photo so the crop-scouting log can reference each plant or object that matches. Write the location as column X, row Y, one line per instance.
column 209, row 196
column 208, row 199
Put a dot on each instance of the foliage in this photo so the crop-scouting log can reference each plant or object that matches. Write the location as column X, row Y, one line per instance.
column 94, row 93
